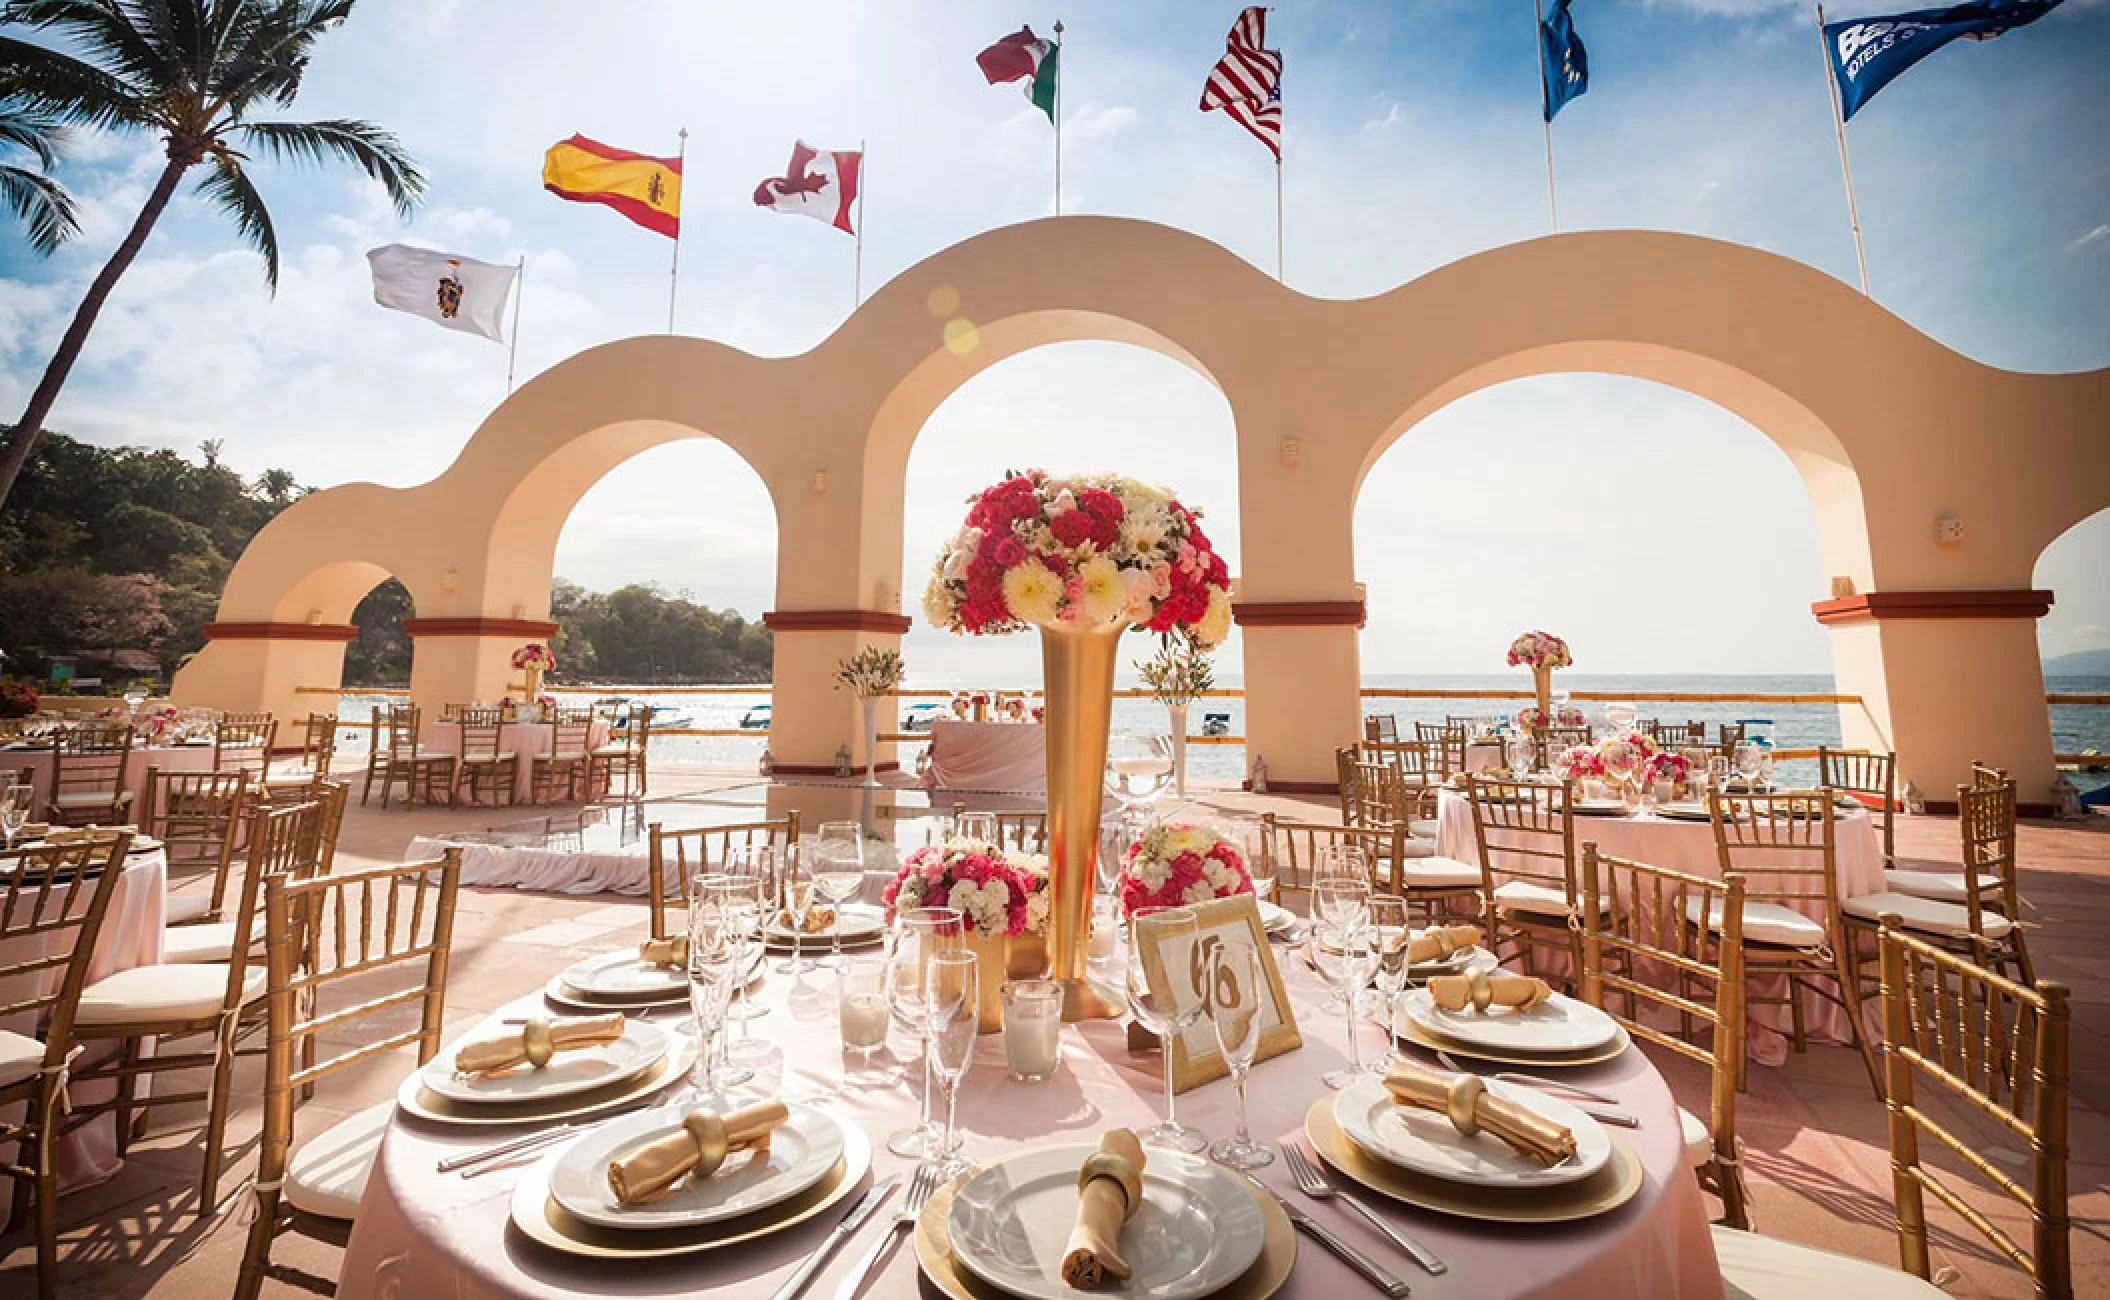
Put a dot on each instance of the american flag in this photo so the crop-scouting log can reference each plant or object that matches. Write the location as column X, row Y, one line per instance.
column 1247, row 82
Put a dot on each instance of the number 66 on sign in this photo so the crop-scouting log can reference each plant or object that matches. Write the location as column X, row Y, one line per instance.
column 1195, row 1058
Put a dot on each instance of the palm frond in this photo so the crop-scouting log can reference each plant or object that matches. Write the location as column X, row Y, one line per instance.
column 26, row 129
column 68, row 90
column 265, row 59
column 102, row 31
column 374, row 150
column 46, row 209
column 228, row 186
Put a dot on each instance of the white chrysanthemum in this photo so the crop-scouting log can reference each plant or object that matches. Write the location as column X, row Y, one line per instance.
column 1198, row 892
column 1032, row 592
column 1215, row 622
column 1144, row 528
column 1037, row 905
column 938, row 605
column 1103, row 591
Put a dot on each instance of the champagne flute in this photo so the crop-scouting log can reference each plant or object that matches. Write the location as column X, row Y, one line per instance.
column 795, row 881
column 839, row 875
column 1346, row 955
column 1235, row 987
column 755, row 870
column 14, row 810
column 1167, row 1008
column 739, row 900
column 1388, row 912
column 950, row 1001
column 711, row 907
column 713, row 969
column 918, row 934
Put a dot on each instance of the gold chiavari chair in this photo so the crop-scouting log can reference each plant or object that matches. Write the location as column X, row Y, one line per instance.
column 401, row 756
column 1727, row 736
column 1786, row 848
column 241, row 742
column 1531, row 824
column 1381, row 728
column 1868, row 774
column 1017, row 830
column 218, row 1000
column 318, row 750
column 386, row 932
column 1459, row 722
column 623, row 755
column 1638, row 932
column 485, row 764
column 568, row 762
column 53, row 898
column 1982, row 776
column 1446, row 746
column 1672, row 734
column 678, row 857
column 1549, row 742
column 1976, row 910
column 1411, row 761
column 88, row 774
column 1434, row 884
column 197, row 816
column 315, row 854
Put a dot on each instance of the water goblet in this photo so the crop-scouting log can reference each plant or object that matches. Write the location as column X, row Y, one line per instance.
column 950, row 1001
column 713, row 969
column 918, row 933
column 14, row 810
column 1517, row 750
column 1346, row 955
column 1235, row 988
column 1749, row 759
column 1167, row 1008
column 978, row 826
column 839, row 875
column 1138, row 772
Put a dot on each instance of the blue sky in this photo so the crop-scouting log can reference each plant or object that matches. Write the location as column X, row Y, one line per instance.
column 1413, row 140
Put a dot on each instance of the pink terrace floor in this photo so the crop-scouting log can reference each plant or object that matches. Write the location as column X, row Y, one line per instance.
column 1815, row 1133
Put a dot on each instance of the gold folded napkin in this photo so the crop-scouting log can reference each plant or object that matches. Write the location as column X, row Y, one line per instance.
column 81, row 834
column 818, row 919
column 1439, row 942
column 699, row 1147
column 1481, row 990
column 1472, row 1108
column 671, row 951
column 1109, row 1189
column 535, row 1042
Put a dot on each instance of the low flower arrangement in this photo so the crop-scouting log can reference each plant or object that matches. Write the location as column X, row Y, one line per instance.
column 1666, row 765
column 1625, row 755
column 1040, row 551
column 1176, row 864
column 1539, row 650
column 18, row 699
column 1531, row 718
column 535, row 655
column 1000, row 897
column 871, row 672
column 154, row 725
column 1584, row 763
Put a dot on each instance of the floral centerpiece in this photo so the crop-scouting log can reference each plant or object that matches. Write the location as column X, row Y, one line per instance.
column 533, row 660
column 1583, row 763
column 1530, row 718
column 1625, row 756
column 872, row 674
column 18, row 699
column 1177, row 864
column 1667, row 765
column 1541, row 652
column 1004, row 903
column 1177, row 675
column 1080, row 559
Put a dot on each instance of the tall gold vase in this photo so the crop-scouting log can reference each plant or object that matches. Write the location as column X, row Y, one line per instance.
column 1542, row 683
column 1078, row 669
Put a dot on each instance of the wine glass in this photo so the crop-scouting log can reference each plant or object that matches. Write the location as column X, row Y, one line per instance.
column 981, row 826
column 951, row 999
column 714, row 967
column 839, row 875
column 1749, row 759
column 1167, row 1008
column 1388, row 912
column 795, row 869
column 1236, row 987
column 14, row 810
column 1517, row 749
column 1346, row 955
column 1138, row 771
column 918, row 934
column 739, row 899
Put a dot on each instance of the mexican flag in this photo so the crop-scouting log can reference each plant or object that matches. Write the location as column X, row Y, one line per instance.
column 1022, row 56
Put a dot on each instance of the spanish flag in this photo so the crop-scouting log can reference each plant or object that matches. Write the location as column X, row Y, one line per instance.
column 645, row 189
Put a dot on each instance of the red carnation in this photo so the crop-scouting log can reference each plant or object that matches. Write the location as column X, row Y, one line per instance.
column 1100, row 504
column 1072, row 527
column 1009, row 551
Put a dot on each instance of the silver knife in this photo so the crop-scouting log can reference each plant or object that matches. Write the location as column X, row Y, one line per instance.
column 1373, row 1272
column 850, row 1223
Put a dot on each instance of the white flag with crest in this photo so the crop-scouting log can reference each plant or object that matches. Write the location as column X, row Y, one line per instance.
column 457, row 292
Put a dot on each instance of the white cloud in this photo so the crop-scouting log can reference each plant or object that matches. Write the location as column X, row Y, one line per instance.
column 2100, row 232
column 1098, row 122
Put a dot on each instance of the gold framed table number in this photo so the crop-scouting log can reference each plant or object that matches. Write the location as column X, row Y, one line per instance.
column 1195, row 1058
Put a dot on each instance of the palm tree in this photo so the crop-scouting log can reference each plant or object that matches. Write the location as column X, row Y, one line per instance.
column 44, row 206
column 192, row 72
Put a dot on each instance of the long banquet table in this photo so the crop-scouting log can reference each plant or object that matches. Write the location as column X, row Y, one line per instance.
column 421, row 1233
column 1006, row 756
column 34, row 765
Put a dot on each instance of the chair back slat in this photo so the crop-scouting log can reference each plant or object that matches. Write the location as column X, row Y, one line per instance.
column 197, row 816
column 1292, row 849
column 51, row 914
column 1784, row 845
column 1531, row 825
column 679, row 856
column 241, row 742
column 1868, row 774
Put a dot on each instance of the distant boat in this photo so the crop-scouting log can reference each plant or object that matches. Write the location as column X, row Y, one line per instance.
column 1216, row 724
column 921, row 716
column 756, row 718
column 664, row 716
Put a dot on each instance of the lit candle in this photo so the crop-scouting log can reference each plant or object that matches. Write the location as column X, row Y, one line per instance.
column 1032, row 1028
column 864, row 1019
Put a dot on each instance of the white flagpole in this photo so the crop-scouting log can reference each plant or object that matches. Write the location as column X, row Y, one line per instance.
column 857, row 271
column 1062, row 67
column 513, row 343
column 1279, row 278
column 674, row 272
column 1538, row 47
column 1846, row 166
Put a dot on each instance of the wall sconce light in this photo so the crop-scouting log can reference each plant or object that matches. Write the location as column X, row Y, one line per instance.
column 1842, row 587
column 519, row 610
column 1292, row 452
column 451, row 580
column 1948, row 531
column 820, row 482
column 314, row 617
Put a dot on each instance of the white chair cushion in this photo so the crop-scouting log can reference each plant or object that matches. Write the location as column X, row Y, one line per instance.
column 1767, row 1268
column 190, row 944
column 1699, row 1143
column 1924, row 914
column 19, row 1057
column 1774, row 923
column 326, row 1175
column 1523, row 896
column 1439, row 873
column 615, row 749
column 165, row 992
column 183, row 908
column 1940, row 886
column 1421, row 829
column 89, row 799
column 1417, row 847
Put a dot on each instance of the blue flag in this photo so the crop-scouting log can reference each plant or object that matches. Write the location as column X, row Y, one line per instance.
column 1867, row 53
column 1564, row 65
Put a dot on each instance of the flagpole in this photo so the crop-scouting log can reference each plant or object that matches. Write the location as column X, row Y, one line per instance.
column 1279, row 278
column 1061, row 67
column 1846, row 166
column 1538, row 45
column 674, row 272
column 513, row 343
column 857, row 270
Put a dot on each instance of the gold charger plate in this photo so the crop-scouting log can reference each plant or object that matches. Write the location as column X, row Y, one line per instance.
column 1604, row 1191
column 1415, row 1034
column 1278, row 1250
column 415, row 1100
column 541, row 1220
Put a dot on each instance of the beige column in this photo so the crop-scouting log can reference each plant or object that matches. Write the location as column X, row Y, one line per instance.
column 1303, row 673
column 1946, row 678
column 811, row 718
column 457, row 660
column 288, row 670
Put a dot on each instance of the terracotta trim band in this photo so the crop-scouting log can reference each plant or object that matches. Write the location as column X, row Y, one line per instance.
column 1878, row 606
column 836, row 620
column 280, row 632
column 1300, row 613
column 533, row 629
column 826, row 769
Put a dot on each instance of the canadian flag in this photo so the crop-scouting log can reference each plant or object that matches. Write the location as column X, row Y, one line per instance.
column 818, row 185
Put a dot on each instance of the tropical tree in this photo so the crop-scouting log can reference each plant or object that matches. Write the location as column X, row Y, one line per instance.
column 194, row 73
column 43, row 205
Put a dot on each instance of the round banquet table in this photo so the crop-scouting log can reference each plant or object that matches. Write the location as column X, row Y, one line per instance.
column 524, row 740
column 420, row 1233
column 1006, row 756
column 131, row 936
column 1689, row 846
column 35, row 765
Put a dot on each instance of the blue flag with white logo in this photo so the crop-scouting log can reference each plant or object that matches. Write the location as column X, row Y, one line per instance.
column 1564, row 65
column 1868, row 53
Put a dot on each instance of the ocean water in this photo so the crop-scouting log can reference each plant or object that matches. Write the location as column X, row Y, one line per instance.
column 2075, row 728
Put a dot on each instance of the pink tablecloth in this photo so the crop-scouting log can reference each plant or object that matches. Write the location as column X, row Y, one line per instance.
column 419, row 1233
column 36, row 763
column 1008, row 756
column 131, row 936
column 1689, row 847
column 525, row 740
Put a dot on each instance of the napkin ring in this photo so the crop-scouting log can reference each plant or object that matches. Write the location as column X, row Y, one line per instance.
column 1445, row 945
column 707, row 1130
column 537, row 1042
column 1481, row 990
column 1461, row 1099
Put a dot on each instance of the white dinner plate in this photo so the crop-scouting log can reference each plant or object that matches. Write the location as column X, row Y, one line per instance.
column 1463, row 959
column 1274, row 917
column 1600, row 808
column 1196, row 1232
column 854, row 922
column 1684, row 812
column 1559, row 1024
column 639, row 1049
column 1426, row 1142
column 623, row 975
column 801, row 1152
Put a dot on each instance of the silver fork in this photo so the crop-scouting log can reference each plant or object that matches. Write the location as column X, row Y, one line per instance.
column 919, row 1190
column 1615, row 1117
column 1314, row 1184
